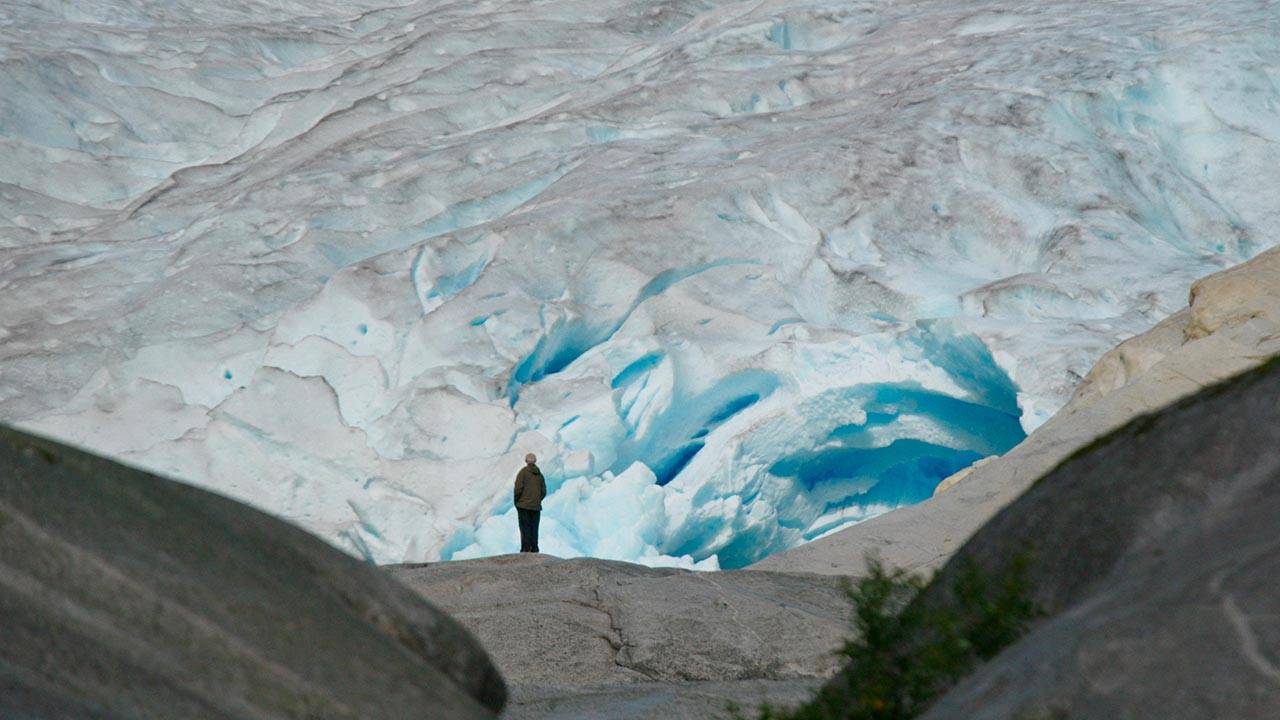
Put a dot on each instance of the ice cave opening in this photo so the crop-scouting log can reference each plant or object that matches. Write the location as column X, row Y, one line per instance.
column 723, row 476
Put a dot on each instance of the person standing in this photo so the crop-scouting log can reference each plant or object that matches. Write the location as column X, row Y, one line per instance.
column 531, row 488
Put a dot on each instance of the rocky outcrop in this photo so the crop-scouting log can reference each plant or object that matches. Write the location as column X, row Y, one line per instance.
column 595, row 638
column 124, row 595
column 707, row 700
column 1156, row 554
column 1231, row 325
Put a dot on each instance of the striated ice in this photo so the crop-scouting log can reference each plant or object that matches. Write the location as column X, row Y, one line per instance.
column 738, row 272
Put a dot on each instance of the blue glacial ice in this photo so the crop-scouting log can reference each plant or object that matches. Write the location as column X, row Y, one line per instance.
column 741, row 273
column 724, row 475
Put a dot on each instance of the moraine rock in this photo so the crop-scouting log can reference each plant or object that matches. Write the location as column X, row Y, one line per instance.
column 596, row 638
column 1156, row 554
column 124, row 595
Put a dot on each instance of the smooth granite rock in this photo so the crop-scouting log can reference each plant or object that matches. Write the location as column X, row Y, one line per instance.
column 566, row 631
column 705, row 700
column 1156, row 554
column 125, row 595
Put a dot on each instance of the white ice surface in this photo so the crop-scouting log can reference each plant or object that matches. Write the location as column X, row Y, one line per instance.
column 739, row 272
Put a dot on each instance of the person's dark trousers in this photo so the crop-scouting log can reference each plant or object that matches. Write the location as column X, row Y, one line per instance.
column 528, row 529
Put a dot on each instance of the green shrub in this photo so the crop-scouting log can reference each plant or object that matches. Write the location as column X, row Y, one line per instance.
column 907, row 651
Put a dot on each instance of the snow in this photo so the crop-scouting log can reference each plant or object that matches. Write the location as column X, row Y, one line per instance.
column 740, row 273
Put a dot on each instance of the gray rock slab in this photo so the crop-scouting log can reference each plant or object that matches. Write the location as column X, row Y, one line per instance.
column 650, row 700
column 1157, row 554
column 125, row 595
column 587, row 623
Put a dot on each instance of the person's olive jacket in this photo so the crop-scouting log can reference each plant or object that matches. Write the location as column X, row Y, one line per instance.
column 530, row 488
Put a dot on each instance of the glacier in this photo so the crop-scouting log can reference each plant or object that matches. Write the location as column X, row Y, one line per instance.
column 740, row 273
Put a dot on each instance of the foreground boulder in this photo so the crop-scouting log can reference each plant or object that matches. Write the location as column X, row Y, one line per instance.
column 589, row 638
column 1156, row 554
column 125, row 595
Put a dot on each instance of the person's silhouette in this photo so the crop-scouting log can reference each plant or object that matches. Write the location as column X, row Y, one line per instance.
column 530, row 489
